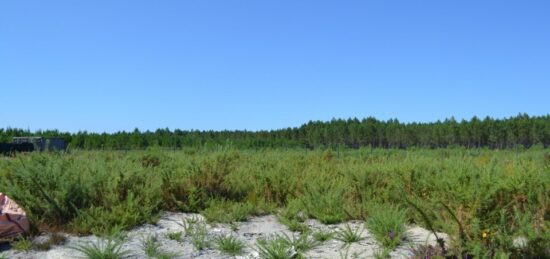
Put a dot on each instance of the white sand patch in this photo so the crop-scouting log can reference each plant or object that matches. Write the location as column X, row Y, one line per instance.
column 248, row 232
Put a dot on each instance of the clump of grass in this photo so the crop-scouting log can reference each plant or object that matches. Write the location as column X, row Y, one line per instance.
column 229, row 244
column 301, row 243
column 349, row 235
column 111, row 249
column 294, row 225
column 223, row 211
column 151, row 247
column 3, row 256
column 196, row 230
column 384, row 253
column 189, row 225
column 22, row 244
column 322, row 236
column 274, row 248
column 386, row 223
column 199, row 237
column 323, row 201
column 176, row 236
column 285, row 246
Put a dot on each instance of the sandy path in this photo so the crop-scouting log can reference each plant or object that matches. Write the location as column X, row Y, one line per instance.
column 249, row 232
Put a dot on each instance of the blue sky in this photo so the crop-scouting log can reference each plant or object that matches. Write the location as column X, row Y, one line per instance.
column 116, row 65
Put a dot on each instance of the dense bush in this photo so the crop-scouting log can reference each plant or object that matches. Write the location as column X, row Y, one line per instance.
column 484, row 199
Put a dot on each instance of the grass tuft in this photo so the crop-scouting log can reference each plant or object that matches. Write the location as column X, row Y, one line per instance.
column 274, row 248
column 322, row 236
column 199, row 237
column 386, row 223
column 151, row 247
column 176, row 236
column 349, row 235
column 22, row 244
column 229, row 244
column 111, row 249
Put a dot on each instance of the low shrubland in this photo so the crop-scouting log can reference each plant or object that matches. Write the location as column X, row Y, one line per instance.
column 484, row 199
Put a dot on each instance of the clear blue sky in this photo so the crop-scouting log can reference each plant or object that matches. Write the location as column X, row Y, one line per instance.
column 228, row 64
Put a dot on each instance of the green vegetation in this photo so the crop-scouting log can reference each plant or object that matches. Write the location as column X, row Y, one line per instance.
column 301, row 243
column 275, row 247
column 322, row 236
column 22, row 244
column 484, row 199
column 176, row 236
column 199, row 237
column 111, row 249
column 387, row 224
column 522, row 130
column 151, row 247
column 349, row 235
column 286, row 246
column 229, row 244
column 226, row 212
column 294, row 225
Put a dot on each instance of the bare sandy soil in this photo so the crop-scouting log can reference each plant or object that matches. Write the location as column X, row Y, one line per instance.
column 249, row 232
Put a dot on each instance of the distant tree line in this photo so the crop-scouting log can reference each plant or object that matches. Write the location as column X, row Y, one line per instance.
column 521, row 130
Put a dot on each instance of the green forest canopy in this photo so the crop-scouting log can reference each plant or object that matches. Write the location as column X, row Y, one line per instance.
column 521, row 130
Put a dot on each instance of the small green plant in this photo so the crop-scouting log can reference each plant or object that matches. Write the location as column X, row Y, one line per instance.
column 199, row 237
column 151, row 247
column 294, row 225
column 386, row 223
column 22, row 244
column 274, row 248
column 223, row 211
column 384, row 253
column 322, row 236
column 229, row 244
column 301, row 243
column 189, row 225
column 176, row 236
column 2, row 256
column 348, row 235
column 110, row 249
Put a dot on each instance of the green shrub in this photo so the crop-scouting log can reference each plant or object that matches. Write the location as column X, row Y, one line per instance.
column 223, row 211
column 229, row 244
column 462, row 192
column 386, row 223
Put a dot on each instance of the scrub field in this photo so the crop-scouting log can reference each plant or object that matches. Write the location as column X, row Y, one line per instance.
column 490, row 203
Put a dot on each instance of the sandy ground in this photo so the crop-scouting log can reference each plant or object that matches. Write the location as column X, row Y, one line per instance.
column 249, row 232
